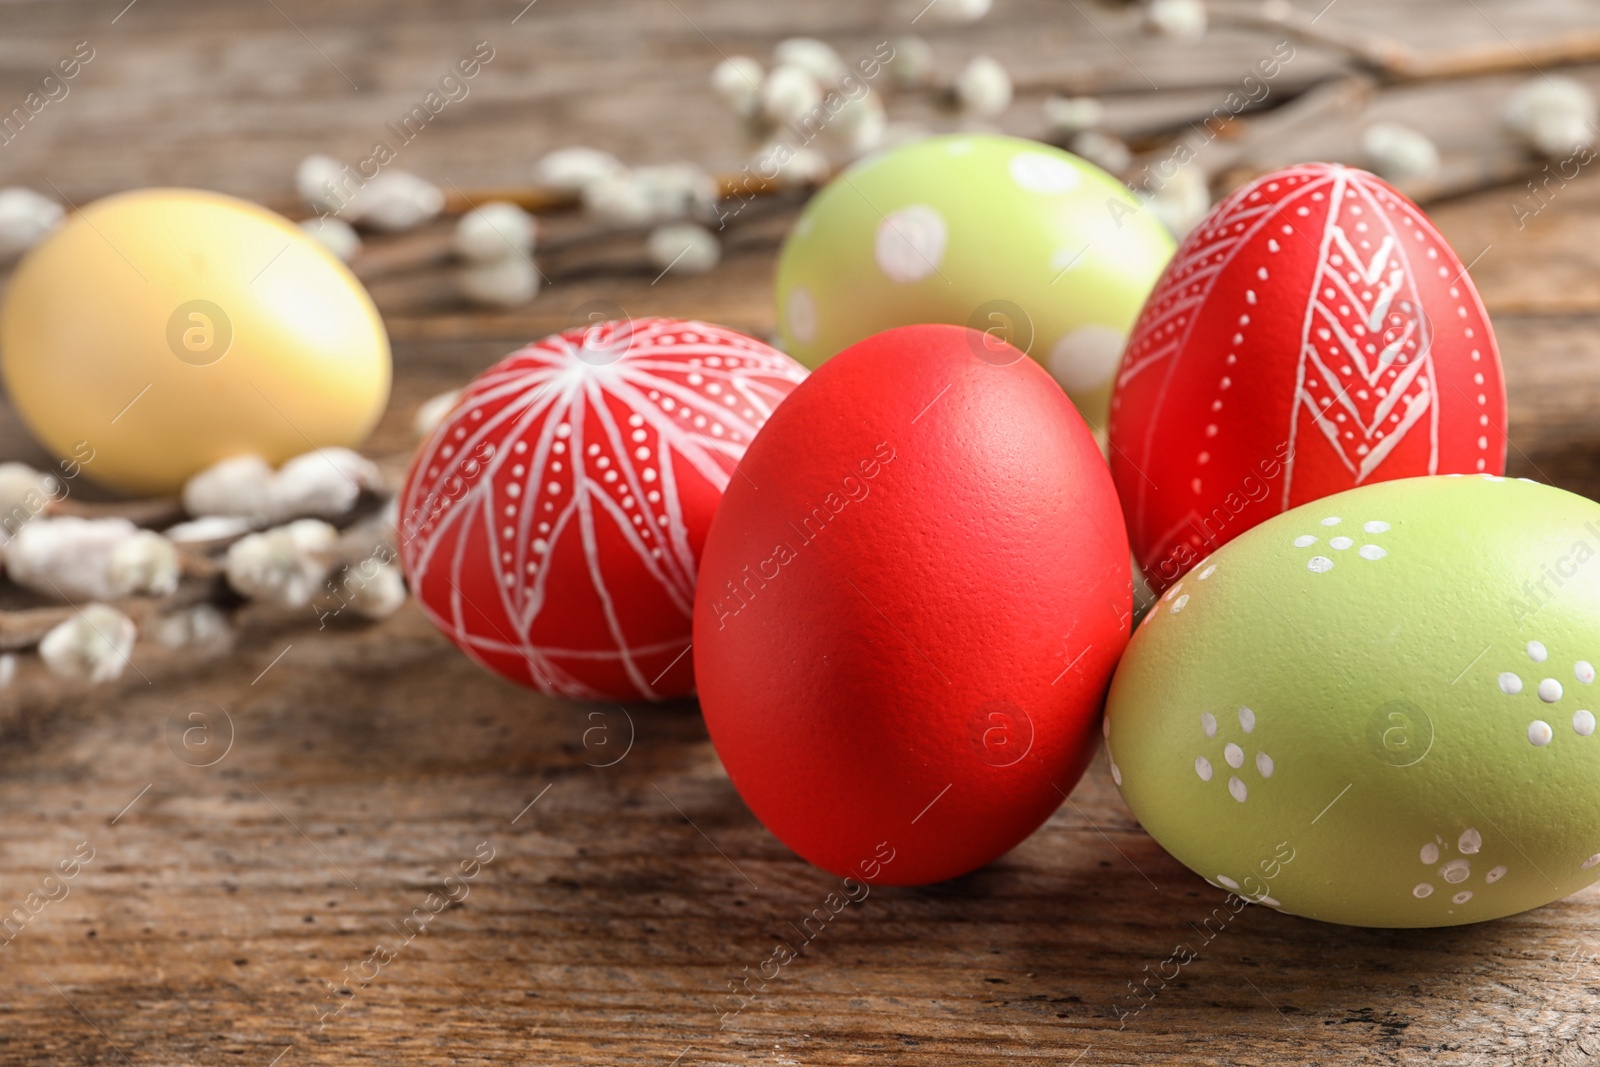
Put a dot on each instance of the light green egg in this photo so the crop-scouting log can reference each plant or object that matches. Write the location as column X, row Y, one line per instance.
column 1012, row 237
column 1378, row 708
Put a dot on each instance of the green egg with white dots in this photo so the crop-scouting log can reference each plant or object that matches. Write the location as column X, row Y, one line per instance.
column 1021, row 240
column 1378, row 708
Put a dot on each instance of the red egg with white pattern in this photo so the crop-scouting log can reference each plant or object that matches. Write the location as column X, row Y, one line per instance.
column 551, row 524
column 1314, row 333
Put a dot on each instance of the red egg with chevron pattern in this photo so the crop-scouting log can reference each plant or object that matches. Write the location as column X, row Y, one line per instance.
column 1314, row 333
column 551, row 525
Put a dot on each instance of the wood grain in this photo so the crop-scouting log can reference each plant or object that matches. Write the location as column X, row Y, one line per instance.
column 360, row 765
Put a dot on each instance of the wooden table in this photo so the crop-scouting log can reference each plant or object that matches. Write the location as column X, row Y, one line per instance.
column 227, row 908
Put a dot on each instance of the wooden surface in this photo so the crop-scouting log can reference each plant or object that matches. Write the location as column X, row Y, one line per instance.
column 356, row 767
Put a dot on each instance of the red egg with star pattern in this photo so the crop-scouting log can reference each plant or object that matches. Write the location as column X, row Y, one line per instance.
column 1314, row 333
column 551, row 525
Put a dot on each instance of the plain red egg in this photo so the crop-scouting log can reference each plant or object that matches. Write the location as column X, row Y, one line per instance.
column 551, row 525
column 1314, row 333
column 910, row 607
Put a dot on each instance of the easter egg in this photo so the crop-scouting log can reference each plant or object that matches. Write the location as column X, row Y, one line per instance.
column 166, row 329
column 551, row 525
column 1020, row 239
column 1378, row 708
column 910, row 607
column 1314, row 333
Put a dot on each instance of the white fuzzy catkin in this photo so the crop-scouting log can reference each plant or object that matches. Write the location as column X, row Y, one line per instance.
column 24, row 492
column 237, row 486
column 684, row 247
column 336, row 235
column 1184, row 20
column 911, row 66
column 91, row 559
column 208, row 529
column 737, row 80
column 193, row 627
column 1398, row 153
column 494, row 231
column 1182, row 200
column 322, row 484
column 432, row 412
column 145, row 563
column 285, row 565
column 325, row 483
column 1554, row 115
column 658, row 193
column 956, row 11
column 816, row 58
column 983, row 88
column 322, row 182
column 508, row 282
column 619, row 199
column 93, row 645
column 575, row 168
column 859, row 125
column 1104, row 150
column 26, row 218
column 374, row 590
column 796, row 167
column 1067, row 115
column 397, row 200
column 789, row 95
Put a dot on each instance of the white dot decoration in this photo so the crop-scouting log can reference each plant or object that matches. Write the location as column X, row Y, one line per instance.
column 1208, row 572
column 1590, row 862
column 1455, row 871
column 1224, row 880
column 1340, row 543
column 1583, row 671
column 1040, row 173
column 1236, row 787
column 910, row 243
column 1462, row 897
column 1510, row 684
column 1537, row 652
column 1539, row 733
column 1495, row 874
column 1208, row 723
column 1372, row 552
column 1202, row 767
column 1319, row 564
column 1549, row 690
column 1470, row 843
column 1233, row 754
column 1178, row 605
column 1304, row 541
column 1583, row 723
column 1376, row 526
column 1264, row 764
column 1247, row 719
column 1423, row 889
column 1430, row 853
column 1116, row 773
column 1331, row 520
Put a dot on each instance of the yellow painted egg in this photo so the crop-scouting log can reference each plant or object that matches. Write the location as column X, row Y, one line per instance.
column 162, row 330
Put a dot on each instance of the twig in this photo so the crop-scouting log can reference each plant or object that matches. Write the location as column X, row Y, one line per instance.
column 1395, row 61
